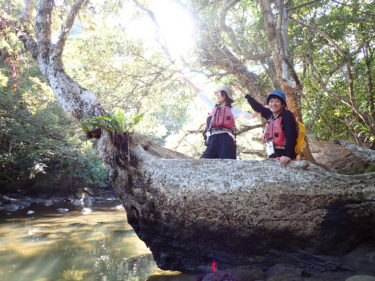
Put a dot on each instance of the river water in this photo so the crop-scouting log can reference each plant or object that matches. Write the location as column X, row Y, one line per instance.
column 72, row 246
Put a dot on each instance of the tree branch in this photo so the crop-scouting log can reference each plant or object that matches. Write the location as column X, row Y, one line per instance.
column 245, row 129
column 341, row 53
column 274, row 38
column 366, row 13
column 214, row 53
column 371, row 93
column 269, row 68
column 226, row 7
column 29, row 42
column 73, row 98
column 317, row 76
column 278, row 40
column 325, row 36
column 163, row 44
column 43, row 33
column 357, row 111
column 303, row 5
column 22, row 32
column 360, row 20
column 316, row 114
column 27, row 11
column 283, row 45
column 58, row 48
column 258, row 57
column 199, row 131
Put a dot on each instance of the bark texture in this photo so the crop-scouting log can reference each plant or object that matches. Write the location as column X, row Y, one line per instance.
column 343, row 156
column 73, row 98
column 190, row 212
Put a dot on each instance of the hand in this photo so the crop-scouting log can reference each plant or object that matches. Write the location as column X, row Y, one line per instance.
column 237, row 88
column 284, row 160
column 188, row 82
column 182, row 78
column 256, row 114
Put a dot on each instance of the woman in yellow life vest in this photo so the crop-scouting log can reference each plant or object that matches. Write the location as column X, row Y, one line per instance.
column 280, row 134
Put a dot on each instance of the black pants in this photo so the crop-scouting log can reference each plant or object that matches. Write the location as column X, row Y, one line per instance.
column 220, row 146
column 278, row 153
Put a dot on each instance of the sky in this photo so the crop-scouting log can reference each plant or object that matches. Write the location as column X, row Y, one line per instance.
column 175, row 23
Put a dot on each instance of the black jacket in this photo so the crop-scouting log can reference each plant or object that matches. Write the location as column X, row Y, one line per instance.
column 288, row 123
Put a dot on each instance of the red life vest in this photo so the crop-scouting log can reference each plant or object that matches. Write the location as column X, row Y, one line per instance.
column 274, row 131
column 221, row 117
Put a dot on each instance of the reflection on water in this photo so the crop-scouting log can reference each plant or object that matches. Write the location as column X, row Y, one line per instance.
column 71, row 246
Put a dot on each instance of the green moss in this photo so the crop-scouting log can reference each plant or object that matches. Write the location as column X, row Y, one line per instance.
column 357, row 168
column 370, row 168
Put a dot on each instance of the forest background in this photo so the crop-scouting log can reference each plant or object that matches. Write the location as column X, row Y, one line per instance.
column 130, row 54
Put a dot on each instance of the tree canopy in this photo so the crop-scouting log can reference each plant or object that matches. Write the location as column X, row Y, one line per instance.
column 129, row 54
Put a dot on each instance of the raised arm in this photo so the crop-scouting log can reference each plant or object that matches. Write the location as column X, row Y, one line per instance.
column 208, row 102
column 191, row 84
column 264, row 111
column 255, row 105
column 239, row 114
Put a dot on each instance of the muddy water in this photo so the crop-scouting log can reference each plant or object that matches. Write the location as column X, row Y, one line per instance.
column 52, row 246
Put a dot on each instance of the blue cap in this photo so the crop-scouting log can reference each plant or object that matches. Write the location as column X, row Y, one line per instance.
column 277, row 94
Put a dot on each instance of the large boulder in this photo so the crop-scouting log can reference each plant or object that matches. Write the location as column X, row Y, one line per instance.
column 190, row 212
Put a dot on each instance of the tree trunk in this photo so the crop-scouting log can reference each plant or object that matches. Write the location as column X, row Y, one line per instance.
column 74, row 99
column 343, row 156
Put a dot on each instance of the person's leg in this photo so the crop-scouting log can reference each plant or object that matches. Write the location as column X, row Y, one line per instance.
column 226, row 147
column 211, row 149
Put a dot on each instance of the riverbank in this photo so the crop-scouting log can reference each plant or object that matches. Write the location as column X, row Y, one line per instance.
column 26, row 204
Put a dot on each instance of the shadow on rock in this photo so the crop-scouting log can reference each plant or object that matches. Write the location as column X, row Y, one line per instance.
column 218, row 276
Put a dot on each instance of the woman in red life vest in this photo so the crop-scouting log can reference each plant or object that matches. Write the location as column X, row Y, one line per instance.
column 280, row 134
column 220, row 124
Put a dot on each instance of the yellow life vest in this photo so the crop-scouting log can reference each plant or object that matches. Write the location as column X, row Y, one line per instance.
column 300, row 137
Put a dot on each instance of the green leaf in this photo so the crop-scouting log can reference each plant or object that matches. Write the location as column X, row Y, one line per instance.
column 103, row 122
column 135, row 121
column 87, row 126
column 120, row 118
column 138, row 118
